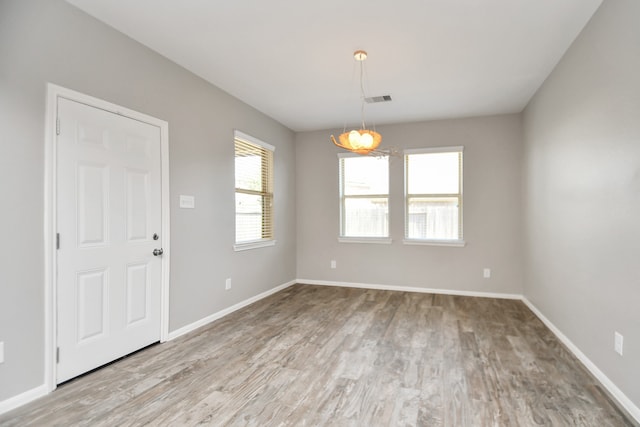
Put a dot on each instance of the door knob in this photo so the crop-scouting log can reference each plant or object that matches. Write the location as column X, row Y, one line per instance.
column 158, row 252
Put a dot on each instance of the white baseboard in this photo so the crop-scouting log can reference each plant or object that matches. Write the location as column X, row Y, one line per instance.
column 23, row 398
column 215, row 316
column 410, row 289
column 617, row 394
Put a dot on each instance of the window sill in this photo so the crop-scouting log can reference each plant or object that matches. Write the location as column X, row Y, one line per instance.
column 253, row 245
column 375, row 240
column 454, row 243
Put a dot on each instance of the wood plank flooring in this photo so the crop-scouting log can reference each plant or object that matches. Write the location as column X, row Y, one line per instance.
column 313, row 356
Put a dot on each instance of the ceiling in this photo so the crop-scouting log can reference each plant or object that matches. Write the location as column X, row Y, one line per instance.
column 293, row 60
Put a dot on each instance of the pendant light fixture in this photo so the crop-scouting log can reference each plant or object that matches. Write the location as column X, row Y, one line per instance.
column 363, row 140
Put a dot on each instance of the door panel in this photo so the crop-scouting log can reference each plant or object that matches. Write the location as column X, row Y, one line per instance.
column 137, row 291
column 92, row 199
column 109, row 207
column 92, row 292
column 137, row 210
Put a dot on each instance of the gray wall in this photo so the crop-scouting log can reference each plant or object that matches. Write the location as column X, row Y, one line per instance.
column 492, row 159
column 50, row 41
column 582, row 193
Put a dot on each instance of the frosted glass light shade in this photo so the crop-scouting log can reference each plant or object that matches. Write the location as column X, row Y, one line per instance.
column 361, row 141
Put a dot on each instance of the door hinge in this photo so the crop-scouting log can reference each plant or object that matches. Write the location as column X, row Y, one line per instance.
column 57, row 354
column 57, row 240
column 57, row 125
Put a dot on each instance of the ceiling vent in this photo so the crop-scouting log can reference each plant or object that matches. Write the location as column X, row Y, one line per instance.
column 374, row 99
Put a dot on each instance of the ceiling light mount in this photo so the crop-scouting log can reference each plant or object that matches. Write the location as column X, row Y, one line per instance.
column 360, row 55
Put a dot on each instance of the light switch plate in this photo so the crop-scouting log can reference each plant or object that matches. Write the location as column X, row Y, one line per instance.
column 187, row 202
column 618, row 343
column 1, row 351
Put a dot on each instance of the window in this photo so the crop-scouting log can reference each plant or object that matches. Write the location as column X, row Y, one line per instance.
column 433, row 194
column 364, row 198
column 254, row 192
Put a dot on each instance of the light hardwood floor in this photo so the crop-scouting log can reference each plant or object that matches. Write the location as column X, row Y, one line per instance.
column 312, row 355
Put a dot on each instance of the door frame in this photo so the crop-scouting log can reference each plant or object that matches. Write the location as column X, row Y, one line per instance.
column 54, row 92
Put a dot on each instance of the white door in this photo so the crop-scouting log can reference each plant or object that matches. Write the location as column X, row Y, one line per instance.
column 108, row 220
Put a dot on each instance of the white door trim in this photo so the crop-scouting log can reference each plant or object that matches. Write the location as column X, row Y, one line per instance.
column 50, row 283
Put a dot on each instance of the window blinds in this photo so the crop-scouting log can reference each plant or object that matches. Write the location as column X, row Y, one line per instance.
column 254, row 191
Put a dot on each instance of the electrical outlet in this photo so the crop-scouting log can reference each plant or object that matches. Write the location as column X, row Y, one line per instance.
column 618, row 343
column 333, row 263
column 227, row 284
column 1, row 351
column 486, row 273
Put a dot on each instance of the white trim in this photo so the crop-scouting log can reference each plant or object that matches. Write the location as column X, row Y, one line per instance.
column 215, row 316
column 253, row 245
column 53, row 93
column 343, row 198
column 455, row 149
column 252, row 139
column 347, row 155
column 460, row 196
column 23, row 398
column 50, row 264
column 623, row 400
column 410, row 289
column 456, row 243
column 166, row 230
column 376, row 240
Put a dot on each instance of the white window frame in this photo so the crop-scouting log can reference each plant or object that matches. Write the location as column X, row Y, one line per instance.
column 434, row 242
column 259, row 243
column 355, row 239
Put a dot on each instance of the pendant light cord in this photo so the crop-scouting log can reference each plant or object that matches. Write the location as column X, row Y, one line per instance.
column 362, row 97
